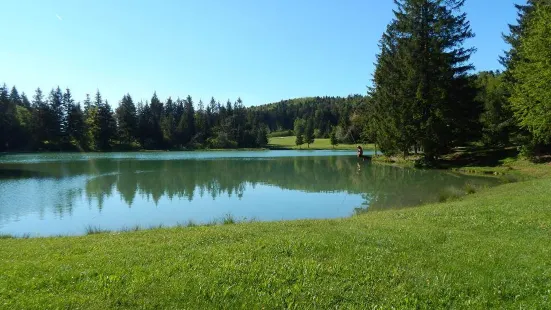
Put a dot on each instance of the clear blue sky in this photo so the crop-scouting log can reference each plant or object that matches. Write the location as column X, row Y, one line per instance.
column 261, row 50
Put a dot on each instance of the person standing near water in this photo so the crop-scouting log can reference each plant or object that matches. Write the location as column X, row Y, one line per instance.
column 361, row 154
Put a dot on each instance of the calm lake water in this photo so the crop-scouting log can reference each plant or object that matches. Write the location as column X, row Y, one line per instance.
column 52, row 194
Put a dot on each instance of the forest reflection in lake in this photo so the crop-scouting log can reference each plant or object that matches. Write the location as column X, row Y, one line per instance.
column 64, row 194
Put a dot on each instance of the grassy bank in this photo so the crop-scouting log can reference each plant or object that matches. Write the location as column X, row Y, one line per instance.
column 489, row 250
column 319, row 144
column 479, row 160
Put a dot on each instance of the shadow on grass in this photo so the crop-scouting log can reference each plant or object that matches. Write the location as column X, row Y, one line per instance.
column 542, row 159
column 477, row 156
column 278, row 148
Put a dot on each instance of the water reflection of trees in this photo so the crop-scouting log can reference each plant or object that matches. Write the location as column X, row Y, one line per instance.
column 381, row 186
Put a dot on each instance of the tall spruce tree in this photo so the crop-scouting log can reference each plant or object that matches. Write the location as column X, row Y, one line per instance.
column 107, row 126
column 76, row 128
column 39, row 115
column 333, row 138
column 25, row 101
column 421, row 88
column 14, row 96
column 530, row 72
column 91, row 112
column 101, row 124
column 156, row 108
column 309, row 132
column 88, row 122
column 7, row 117
column 87, row 105
column 127, row 120
column 299, row 127
column 68, row 104
column 516, row 31
column 261, row 136
column 18, row 115
column 145, row 125
column 299, row 140
column 201, row 122
column 56, row 116
column 168, row 123
column 186, row 125
column 511, row 58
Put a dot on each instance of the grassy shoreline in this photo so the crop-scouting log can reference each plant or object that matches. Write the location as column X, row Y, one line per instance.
column 487, row 250
column 476, row 160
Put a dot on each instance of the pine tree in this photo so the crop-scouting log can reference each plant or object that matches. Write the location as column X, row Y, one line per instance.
column 15, row 99
column 18, row 121
column 107, row 126
column 309, row 132
column 127, row 120
column 213, row 108
column 421, row 88
column 156, row 108
column 101, row 124
column 40, row 113
column 531, row 95
column 55, row 117
column 145, row 125
column 262, row 136
column 229, row 108
column 25, row 101
column 87, row 105
column 299, row 140
column 168, row 123
column 201, row 122
column 333, row 138
column 178, row 112
column 186, row 125
column 511, row 57
column 7, row 118
column 68, row 104
column 91, row 112
column 76, row 126
column 243, row 132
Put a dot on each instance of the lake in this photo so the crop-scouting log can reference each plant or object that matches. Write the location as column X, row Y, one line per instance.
column 67, row 193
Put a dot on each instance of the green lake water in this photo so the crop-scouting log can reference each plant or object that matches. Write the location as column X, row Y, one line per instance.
column 66, row 193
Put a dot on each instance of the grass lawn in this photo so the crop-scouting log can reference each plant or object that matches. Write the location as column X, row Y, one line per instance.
column 319, row 144
column 491, row 249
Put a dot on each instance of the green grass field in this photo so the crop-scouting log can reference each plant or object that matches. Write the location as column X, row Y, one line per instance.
column 491, row 249
column 319, row 144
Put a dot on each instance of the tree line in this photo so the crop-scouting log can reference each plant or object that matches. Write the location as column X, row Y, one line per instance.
column 58, row 122
column 425, row 99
